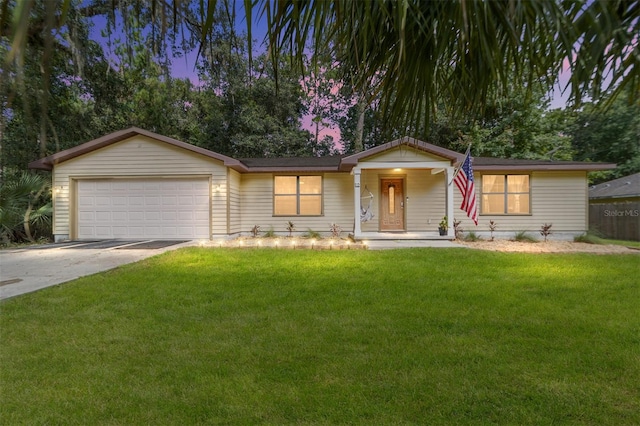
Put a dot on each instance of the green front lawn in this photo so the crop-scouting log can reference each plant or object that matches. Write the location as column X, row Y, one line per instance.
column 420, row 336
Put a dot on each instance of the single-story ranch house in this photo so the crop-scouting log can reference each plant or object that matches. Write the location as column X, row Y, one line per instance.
column 135, row 184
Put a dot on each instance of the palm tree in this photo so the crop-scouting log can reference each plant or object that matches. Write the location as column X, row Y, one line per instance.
column 415, row 54
column 24, row 207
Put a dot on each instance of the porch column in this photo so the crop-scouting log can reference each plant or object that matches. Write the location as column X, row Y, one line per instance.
column 449, row 183
column 356, row 202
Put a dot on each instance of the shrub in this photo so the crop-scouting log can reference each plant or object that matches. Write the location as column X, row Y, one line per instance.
column 472, row 236
column 457, row 229
column 522, row 236
column 25, row 208
column 335, row 230
column 290, row 227
column 492, row 227
column 545, row 230
column 313, row 234
column 589, row 238
column 270, row 233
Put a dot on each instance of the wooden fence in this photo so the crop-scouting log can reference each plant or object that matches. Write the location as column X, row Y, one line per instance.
column 620, row 221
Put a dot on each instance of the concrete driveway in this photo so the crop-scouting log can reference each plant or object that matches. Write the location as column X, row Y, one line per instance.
column 28, row 269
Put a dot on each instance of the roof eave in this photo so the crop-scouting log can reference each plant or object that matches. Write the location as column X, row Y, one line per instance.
column 587, row 167
column 292, row 169
column 351, row 161
column 47, row 163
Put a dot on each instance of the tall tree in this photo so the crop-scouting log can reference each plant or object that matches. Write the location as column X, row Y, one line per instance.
column 609, row 136
column 413, row 52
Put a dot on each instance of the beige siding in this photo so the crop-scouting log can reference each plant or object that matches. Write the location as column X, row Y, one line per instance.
column 404, row 153
column 235, row 220
column 136, row 157
column 559, row 198
column 426, row 204
column 257, row 204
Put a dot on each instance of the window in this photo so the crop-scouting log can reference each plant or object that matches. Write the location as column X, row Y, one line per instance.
column 505, row 194
column 297, row 196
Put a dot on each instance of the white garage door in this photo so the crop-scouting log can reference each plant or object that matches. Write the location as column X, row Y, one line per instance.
column 143, row 208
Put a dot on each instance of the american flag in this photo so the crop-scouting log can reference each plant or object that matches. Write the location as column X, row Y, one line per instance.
column 464, row 182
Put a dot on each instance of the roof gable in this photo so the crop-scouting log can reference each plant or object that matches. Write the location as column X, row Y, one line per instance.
column 405, row 149
column 396, row 145
column 47, row 163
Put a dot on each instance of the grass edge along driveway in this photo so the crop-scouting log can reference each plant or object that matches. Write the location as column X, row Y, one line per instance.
column 427, row 336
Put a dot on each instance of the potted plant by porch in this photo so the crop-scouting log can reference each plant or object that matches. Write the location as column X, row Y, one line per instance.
column 443, row 226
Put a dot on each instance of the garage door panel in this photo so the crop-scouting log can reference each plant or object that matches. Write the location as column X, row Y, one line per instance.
column 86, row 216
column 171, row 232
column 119, row 216
column 136, row 216
column 102, row 201
column 120, row 232
column 171, row 216
column 152, row 186
column 153, row 215
column 201, row 216
column 103, row 216
column 103, row 231
column 185, row 216
column 119, row 201
column 139, row 208
column 169, row 201
column 151, row 201
column 186, row 200
column 135, row 201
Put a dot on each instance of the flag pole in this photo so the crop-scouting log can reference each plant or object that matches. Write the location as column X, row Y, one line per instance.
column 466, row 154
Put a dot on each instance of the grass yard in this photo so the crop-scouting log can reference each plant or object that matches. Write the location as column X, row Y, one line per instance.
column 420, row 336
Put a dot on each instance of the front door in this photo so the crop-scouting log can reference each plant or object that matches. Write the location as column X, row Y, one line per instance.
column 392, row 204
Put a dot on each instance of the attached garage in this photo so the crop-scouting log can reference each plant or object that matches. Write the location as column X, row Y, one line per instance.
column 134, row 184
column 143, row 208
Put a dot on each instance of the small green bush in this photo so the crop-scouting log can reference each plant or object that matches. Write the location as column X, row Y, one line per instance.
column 472, row 236
column 588, row 238
column 522, row 236
column 270, row 233
column 313, row 234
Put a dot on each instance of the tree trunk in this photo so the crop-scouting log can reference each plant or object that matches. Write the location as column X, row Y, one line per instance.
column 27, row 215
column 361, row 109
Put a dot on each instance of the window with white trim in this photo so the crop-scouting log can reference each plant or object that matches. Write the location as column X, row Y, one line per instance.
column 297, row 195
column 506, row 194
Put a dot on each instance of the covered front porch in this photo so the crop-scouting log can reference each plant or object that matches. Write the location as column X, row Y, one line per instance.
column 403, row 190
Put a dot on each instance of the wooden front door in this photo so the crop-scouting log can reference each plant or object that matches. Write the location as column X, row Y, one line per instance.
column 392, row 204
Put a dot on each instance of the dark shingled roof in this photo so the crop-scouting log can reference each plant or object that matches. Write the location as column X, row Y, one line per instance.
column 479, row 163
column 628, row 186
column 294, row 162
column 315, row 164
column 490, row 163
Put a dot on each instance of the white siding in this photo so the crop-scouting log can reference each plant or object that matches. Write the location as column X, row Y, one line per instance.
column 404, row 153
column 235, row 206
column 559, row 198
column 137, row 156
column 257, row 205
